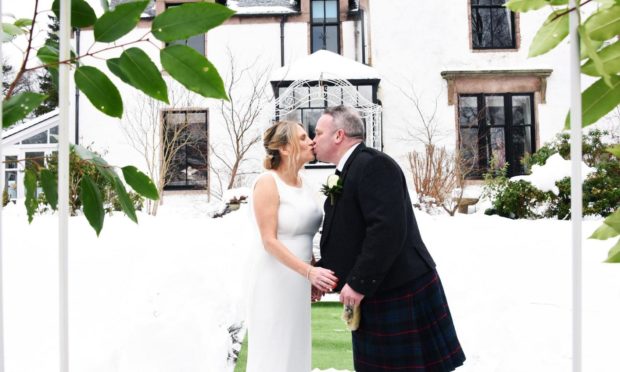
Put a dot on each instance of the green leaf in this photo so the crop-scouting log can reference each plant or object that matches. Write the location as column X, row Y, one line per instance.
column 18, row 106
column 118, row 22
column 143, row 74
column 102, row 166
column 140, row 182
column 610, row 58
column 613, row 220
column 557, row 2
column 525, row 5
column 597, row 100
column 591, row 51
column 82, row 15
column 604, row 24
column 30, row 188
column 181, row 22
column 115, row 68
column 614, row 253
column 23, row 22
column 11, row 29
column 583, row 53
column 607, row 3
column 125, row 200
column 552, row 32
column 604, row 232
column 50, row 52
column 193, row 70
column 99, row 90
column 614, row 150
column 92, row 203
column 50, row 188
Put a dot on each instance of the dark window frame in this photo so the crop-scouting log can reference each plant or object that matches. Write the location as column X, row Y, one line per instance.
column 324, row 25
column 473, row 13
column 188, row 185
column 509, row 129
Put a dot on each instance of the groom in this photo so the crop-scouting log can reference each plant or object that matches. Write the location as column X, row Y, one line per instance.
column 370, row 239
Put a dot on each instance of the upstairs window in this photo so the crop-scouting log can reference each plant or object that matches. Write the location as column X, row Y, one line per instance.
column 492, row 25
column 325, row 25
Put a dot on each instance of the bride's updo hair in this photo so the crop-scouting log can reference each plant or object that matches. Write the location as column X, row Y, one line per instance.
column 280, row 134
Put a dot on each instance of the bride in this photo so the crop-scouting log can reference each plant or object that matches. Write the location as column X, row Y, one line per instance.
column 287, row 217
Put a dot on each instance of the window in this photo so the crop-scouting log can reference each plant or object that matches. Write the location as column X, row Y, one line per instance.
column 196, row 42
column 325, row 25
column 47, row 136
column 186, row 144
column 10, row 176
column 492, row 25
column 496, row 129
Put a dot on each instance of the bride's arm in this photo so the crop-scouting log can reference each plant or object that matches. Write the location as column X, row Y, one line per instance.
column 266, row 204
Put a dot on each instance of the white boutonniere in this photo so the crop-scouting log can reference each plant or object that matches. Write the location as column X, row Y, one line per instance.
column 332, row 188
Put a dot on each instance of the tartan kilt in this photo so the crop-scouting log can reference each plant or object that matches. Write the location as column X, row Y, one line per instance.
column 407, row 329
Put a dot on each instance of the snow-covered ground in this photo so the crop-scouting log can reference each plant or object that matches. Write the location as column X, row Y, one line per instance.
column 160, row 295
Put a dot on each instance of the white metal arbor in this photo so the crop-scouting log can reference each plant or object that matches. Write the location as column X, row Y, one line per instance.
column 317, row 95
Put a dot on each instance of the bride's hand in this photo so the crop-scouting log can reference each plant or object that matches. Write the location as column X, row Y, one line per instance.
column 322, row 279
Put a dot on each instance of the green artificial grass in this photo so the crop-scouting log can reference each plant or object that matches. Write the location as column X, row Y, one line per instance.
column 331, row 340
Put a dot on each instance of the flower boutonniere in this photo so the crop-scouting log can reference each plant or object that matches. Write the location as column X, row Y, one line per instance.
column 332, row 188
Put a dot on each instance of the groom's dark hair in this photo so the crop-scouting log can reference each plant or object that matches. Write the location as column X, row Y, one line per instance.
column 348, row 119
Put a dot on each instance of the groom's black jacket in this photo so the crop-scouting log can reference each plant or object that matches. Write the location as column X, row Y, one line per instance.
column 370, row 237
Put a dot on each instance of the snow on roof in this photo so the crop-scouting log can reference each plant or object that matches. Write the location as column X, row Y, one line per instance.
column 29, row 125
column 258, row 7
column 324, row 64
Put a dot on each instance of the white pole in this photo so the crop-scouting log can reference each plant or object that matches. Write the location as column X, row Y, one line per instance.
column 575, row 184
column 1, row 234
column 63, row 184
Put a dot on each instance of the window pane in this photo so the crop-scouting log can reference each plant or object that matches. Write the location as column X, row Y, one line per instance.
column 10, row 184
column 36, row 139
column 495, row 110
column 10, row 162
column 521, row 145
column 468, row 111
column 197, row 118
column 318, row 38
column 497, row 2
column 317, row 98
column 331, row 11
column 54, row 135
column 197, row 165
column 302, row 96
column 502, row 28
column 521, row 110
column 197, row 42
column 176, row 171
column 318, row 11
column 481, row 28
column 293, row 116
column 498, row 148
column 334, row 96
column 37, row 157
column 469, row 148
column 365, row 91
column 310, row 117
column 331, row 38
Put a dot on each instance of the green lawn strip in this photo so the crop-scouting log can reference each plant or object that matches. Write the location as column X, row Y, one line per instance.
column 331, row 341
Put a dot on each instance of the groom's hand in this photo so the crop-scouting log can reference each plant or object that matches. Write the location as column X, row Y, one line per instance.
column 348, row 296
column 316, row 294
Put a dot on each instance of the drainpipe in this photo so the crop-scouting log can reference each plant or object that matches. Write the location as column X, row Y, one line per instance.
column 77, row 91
column 282, row 22
column 361, row 16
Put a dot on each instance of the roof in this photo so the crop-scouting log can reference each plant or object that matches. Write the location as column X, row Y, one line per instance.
column 28, row 128
column 322, row 65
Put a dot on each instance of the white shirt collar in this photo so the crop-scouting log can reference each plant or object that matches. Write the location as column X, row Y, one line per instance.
column 346, row 156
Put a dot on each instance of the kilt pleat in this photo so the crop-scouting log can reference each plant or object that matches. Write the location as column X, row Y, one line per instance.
column 408, row 329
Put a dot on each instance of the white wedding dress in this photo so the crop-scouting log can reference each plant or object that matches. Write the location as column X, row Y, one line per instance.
column 279, row 337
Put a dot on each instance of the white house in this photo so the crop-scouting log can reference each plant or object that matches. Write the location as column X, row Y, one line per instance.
column 462, row 64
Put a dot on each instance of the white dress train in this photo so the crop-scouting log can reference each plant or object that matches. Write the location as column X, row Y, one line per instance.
column 279, row 332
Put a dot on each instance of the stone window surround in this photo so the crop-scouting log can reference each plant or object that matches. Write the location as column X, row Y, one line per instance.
column 497, row 81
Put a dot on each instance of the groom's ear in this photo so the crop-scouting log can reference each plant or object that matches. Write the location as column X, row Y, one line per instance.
column 340, row 135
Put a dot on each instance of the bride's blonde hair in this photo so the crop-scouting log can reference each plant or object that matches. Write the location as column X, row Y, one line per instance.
column 275, row 138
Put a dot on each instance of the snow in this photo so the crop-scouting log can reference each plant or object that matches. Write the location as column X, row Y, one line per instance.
column 160, row 295
column 322, row 65
column 556, row 168
column 242, row 10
